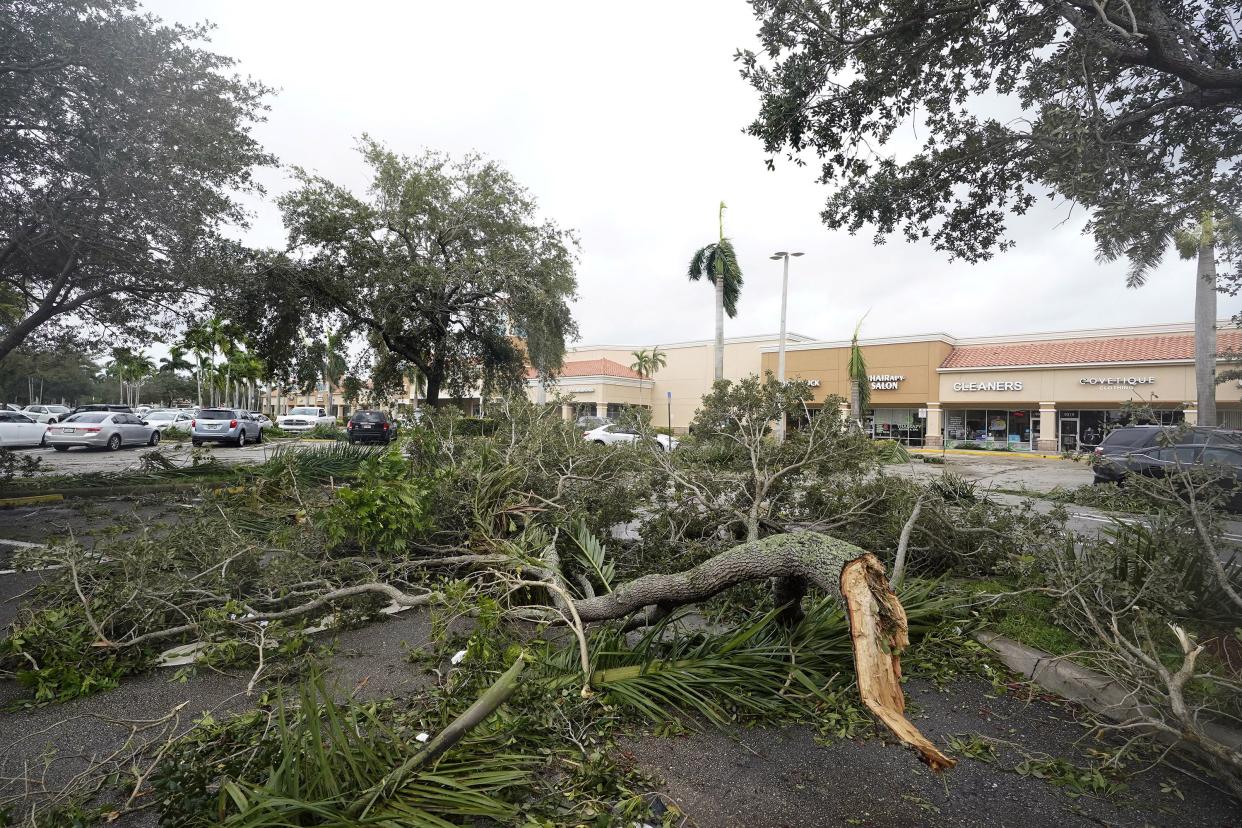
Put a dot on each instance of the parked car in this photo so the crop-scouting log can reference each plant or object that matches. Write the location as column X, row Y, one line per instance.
column 1153, row 451
column 168, row 419
column 143, row 410
column 225, row 425
column 1137, row 449
column 20, row 429
column 46, row 413
column 304, row 418
column 101, row 429
column 613, row 434
column 590, row 423
column 122, row 409
column 263, row 420
column 370, row 427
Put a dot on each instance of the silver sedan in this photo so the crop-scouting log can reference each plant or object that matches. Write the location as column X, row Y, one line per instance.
column 101, row 429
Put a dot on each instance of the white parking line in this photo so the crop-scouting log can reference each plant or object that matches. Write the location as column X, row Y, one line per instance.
column 26, row 545
column 23, row 544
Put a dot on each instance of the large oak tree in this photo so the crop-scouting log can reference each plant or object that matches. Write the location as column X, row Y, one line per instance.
column 123, row 145
column 444, row 269
column 1130, row 108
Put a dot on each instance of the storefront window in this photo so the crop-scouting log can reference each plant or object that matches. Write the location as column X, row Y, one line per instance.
column 991, row 427
column 900, row 424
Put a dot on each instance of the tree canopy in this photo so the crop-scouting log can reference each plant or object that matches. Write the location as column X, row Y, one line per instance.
column 1128, row 107
column 445, row 268
column 122, row 147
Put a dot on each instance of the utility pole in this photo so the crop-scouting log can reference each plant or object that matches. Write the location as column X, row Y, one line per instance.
column 780, row 353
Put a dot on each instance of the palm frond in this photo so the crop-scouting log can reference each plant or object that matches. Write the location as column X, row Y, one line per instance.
column 592, row 555
column 698, row 264
column 857, row 369
column 315, row 464
column 728, row 269
column 331, row 752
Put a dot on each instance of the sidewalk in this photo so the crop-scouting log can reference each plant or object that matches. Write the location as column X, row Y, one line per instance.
column 1021, row 455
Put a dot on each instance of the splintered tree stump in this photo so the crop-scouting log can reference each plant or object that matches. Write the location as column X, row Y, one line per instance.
column 877, row 620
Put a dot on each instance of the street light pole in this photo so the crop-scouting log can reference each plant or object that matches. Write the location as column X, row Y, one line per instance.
column 780, row 353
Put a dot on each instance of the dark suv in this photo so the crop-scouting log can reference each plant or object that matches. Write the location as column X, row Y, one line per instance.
column 1152, row 451
column 370, row 426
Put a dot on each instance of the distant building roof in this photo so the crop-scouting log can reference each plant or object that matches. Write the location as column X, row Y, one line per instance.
column 1163, row 348
column 591, row 368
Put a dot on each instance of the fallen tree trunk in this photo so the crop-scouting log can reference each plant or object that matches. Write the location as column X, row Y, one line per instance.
column 854, row 577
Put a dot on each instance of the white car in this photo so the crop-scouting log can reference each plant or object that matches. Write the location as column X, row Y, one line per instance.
column 614, row 434
column 262, row 419
column 168, row 419
column 304, row 418
column 46, row 413
column 18, row 429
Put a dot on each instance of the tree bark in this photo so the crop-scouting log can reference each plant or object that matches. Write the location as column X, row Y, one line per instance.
column 719, row 327
column 1205, row 329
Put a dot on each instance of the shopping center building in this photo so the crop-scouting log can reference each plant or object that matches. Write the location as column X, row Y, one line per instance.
column 1045, row 391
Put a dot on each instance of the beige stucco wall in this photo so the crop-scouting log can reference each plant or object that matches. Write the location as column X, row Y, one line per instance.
column 688, row 374
column 1171, row 385
column 914, row 362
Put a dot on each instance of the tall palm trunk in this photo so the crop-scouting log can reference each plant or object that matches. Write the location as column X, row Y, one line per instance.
column 855, row 401
column 720, row 286
column 1205, row 329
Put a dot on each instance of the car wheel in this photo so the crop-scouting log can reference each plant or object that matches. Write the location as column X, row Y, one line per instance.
column 196, row 443
column 600, row 443
column 241, row 438
column 114, row 442
column 61, row 448
column 155, row 439
column 352, row 441
column 259, row 440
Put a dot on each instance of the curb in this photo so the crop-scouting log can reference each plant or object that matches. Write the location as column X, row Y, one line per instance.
column 27, row 500
column 1095, row 691
column 1023, row 455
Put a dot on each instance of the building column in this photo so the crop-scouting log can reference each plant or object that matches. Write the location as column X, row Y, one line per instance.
column 567, row 412
column 1192, row 413
column 1047, row 439
column 601, row 409
column 933, row 433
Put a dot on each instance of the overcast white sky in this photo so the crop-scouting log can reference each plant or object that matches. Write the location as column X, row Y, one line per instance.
column 625, row 121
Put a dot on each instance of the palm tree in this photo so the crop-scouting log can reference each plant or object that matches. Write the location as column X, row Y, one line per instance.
column 646, row 363
column 1200, row 242
column 119, row 368
column 140, row 368
column 196, row 340
column 334, row 366
column 860, row 385
column 717, row 262
column 175, row 361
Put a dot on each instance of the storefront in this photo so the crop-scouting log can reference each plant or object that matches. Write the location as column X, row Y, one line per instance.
column 991, row 428
column 905, row 425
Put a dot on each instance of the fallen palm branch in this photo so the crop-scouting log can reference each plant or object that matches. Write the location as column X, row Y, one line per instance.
column 877, row 621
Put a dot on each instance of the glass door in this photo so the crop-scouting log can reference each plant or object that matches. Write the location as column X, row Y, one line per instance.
column 1069, row 432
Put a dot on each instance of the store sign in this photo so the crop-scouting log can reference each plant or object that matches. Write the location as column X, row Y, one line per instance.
column 813, row 383
column 995, row 385
column 576, row 389
column 1117, row 382
column 885, row 382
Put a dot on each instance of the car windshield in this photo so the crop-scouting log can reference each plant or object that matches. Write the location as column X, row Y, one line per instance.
column 89, row 417
column 161, row 415
column 308, row 411
column 57, row 409
column 369, row 417
column 216, row 414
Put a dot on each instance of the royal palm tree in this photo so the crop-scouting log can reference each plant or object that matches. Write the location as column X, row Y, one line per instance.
column 197, row 341
column 860, row 385
column 175, row 361
column 717, row 262
column 1200, row 242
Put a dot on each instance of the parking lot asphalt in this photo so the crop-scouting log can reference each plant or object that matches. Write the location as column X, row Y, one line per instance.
column 993, row 472
column 81, row 460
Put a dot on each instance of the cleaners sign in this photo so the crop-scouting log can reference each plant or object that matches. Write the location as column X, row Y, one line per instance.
column 995, row 385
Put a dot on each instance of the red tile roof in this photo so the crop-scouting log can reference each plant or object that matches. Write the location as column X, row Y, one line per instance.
column 1085, row 351
column 591, row 368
